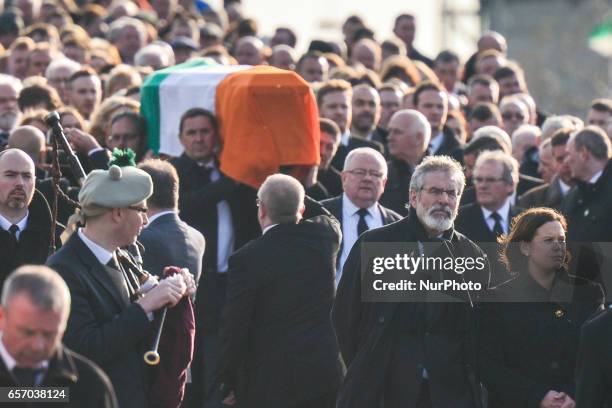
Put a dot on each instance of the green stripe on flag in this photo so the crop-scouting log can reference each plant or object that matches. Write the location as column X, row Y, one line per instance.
column 149, row 97
column 600, row 39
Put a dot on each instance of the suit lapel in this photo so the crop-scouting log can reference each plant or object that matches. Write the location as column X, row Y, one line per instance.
column 95, row 270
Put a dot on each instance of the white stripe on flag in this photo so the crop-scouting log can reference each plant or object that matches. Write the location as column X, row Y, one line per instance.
column 183, row 90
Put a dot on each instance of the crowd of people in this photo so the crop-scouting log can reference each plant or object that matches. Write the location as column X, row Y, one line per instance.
column 260, row 292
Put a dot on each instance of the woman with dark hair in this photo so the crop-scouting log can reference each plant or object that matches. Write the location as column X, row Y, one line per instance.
column 530, row 325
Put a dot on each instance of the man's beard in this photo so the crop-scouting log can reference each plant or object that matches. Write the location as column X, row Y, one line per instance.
column 17, row 202
column 435, row 222
column 9, row 119
column 364, row 123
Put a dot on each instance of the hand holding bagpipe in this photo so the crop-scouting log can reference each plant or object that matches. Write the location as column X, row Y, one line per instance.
column 178, row 284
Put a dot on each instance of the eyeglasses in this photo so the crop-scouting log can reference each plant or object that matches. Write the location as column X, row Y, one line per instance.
column 510, row 115
column 489, row 180
column 438, row 192
column 361, row 173
column 139, row 209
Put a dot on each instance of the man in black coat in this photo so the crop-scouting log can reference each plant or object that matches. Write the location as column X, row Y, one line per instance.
column 594, row 364
column 25, row 217
column 36, row 302
column 587, row 206
column 358, row 209
column 224, row 213
column 112, row 299
column 334, row 103
column 409, row 134
column 278, row 343
column 413, row 354
column 431, row 100
column 495, row 179
column 167, row 239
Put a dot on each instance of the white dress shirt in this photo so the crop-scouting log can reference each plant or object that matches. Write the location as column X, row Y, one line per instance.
column 504, row 213
column 435, row 143
column 350, row 219
column 564, row 187
column 159, row 214
column 596, row 177
column 22, row 224
column 101, row 254
column 225, row 225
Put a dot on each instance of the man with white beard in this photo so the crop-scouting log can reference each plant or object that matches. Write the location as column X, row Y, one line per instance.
column 9, row 109
column 385, row 343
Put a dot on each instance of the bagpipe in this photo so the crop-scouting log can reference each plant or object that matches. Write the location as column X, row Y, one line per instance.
column 174, row 328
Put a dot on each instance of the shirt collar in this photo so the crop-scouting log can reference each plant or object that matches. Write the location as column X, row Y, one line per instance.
column 159, row 214
column 596, row 177
column 503, row 212
column 564, row 187
column 435, row 142
column 268, row 228
column 344, row 140
column 10, row 362
column 22, row 224
column 351, row 209
column 101, row 254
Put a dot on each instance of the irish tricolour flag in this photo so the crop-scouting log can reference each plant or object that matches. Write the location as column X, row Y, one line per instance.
column 268, row 117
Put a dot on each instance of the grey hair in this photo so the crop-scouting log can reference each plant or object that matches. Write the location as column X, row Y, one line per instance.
column 11, row 81
column 155, row 48
column 495, row 132
column 554, row 123
column 525, row 129
column 510, row 165
column 595, row 140
column 117, row 26
column 73, row 66
column 44, row 287
column 432, row 164
column 283, row 198
column 418, row 123
column 365, row 151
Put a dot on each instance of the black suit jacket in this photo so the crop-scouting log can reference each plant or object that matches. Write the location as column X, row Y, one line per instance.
column 104, row 326
column 168, row 241
column 198, row 198
column 88, row 384
column 34, row 240
column 396, row 194
column 278, row 344
column 472, row 224
column 451, row 145
column 354, row 143
column 331, row 180
column 334, row 206
column 546, row 195
column 594, row 365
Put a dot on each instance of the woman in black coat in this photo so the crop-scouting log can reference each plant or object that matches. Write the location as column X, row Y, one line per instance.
column 530, row 325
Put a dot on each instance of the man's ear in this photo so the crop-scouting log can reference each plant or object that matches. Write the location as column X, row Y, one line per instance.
column 413, row 198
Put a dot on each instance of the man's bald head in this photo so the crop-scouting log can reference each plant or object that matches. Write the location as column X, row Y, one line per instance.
column 492, row 40
column 16, row 183
column 409, row 135
column 250, row 51
column 28, row 139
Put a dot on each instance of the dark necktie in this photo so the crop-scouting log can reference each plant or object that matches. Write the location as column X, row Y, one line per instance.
column 26, row 376
column 118, row 278
column 497, row 228
column 13, row 229
column 362, row 226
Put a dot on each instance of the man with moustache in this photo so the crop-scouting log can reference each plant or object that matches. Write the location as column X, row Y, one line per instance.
column 10, row 113
column 412, row 354
column 25, row 218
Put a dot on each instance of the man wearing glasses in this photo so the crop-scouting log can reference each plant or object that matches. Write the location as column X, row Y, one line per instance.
column 363, row 182
column 110, row 321
column 412, row 353
column 495, row 178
